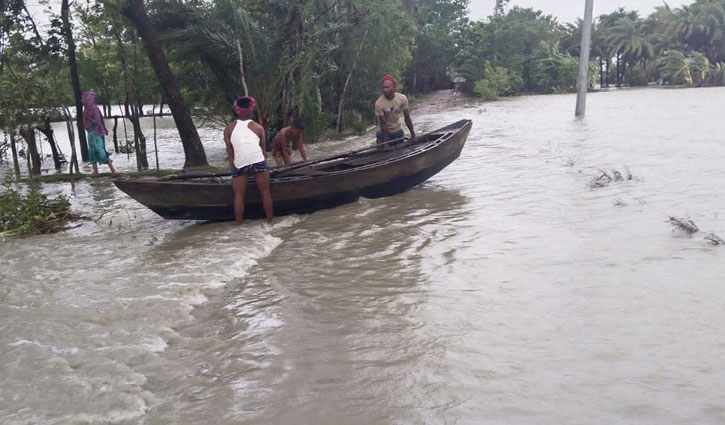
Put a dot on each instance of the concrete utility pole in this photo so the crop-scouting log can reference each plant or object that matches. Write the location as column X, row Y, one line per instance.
column 582, row 84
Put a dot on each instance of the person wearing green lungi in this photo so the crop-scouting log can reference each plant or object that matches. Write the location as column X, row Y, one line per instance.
column 96, row 132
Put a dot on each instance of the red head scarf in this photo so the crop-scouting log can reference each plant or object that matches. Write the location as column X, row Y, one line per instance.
column 244, row 111
column 389, row 78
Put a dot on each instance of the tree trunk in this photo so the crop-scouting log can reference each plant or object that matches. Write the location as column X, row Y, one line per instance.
column 28, row 134
column 156, row 148
column 142, row 161
column 139, row 140
column 72, row 139
column 115, row 135
column 601, row 73
column 341, row 106
column 619, row 70
column 239, row 50
column 14, row 149
column 47, row 130
column 193, row 149
column 106, row 104
column 68, row 35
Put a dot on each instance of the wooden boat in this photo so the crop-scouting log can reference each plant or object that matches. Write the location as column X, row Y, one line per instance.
column 308, row 186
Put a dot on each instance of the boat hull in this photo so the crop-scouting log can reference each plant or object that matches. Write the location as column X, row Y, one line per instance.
column 327, row 185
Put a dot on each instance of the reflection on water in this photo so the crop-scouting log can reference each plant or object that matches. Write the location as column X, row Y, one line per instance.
column 504, row 290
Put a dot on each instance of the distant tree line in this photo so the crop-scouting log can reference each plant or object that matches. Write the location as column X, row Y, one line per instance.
column 522, row 50
column 320, row 60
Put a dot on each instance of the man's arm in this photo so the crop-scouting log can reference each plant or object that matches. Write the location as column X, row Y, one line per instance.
column 383, row 128
column 301, row 148
column 409, row 123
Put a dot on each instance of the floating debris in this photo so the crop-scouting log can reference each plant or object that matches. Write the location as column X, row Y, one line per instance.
column 602, row 181
column 686, row 225
column 604, row 178
column 714, row 239
column 627, row 173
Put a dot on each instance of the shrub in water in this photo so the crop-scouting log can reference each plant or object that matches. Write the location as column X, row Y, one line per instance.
column 32, row 213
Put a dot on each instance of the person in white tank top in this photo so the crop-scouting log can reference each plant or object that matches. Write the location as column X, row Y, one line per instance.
column 245, row 142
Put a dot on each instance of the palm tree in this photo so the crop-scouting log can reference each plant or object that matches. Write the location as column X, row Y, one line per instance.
column 210, row 37
column 699, row 67
column 709, row 23
column 628, row 38
column 682, row 22
column 675, row 68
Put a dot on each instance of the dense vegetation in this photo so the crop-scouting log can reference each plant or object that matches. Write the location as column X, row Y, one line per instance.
column 31, row 213
column 318, row 59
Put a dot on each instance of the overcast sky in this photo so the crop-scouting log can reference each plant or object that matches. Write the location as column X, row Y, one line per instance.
column 569, row 10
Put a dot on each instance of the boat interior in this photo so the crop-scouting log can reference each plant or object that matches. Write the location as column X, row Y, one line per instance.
column 394, row 151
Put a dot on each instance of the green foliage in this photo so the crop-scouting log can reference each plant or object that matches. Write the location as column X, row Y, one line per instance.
column 674, row 68
column 498, row 82
column 434, row 48
column 32, row 213
column 699, row 67
column 484, row 89
column 356, row 122
column 716, row 75
column 637, row 76
column 593, row 73
column 553, row 71
column 302, row 57
column 627, row 36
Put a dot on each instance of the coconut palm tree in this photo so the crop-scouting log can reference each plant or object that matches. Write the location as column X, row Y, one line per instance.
column 710, row 25
column 699, row 67
column 628, row 38
column 674, row 68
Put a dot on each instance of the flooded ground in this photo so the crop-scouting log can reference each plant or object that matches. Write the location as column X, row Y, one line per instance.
column 508, row 289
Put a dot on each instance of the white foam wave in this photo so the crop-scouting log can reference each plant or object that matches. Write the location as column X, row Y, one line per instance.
column 154, row 345
column 137, row 409
column 51, row 348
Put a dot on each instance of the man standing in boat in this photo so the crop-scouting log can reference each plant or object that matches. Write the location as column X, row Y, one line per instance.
column 388, row 108
column 245, row 140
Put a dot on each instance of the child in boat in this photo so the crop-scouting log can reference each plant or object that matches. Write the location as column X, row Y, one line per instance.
column 280, row 144
column 244, row 140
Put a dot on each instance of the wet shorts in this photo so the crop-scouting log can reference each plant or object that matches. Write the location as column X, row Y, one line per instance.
column 279, row 146
column 250, row 170
column 391, row 136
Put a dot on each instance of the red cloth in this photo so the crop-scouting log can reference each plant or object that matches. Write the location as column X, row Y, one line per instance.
column 389, row 78
column 244, row 111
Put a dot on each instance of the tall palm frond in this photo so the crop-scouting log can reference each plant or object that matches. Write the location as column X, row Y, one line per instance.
column 675, row 68
column 626, row 36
